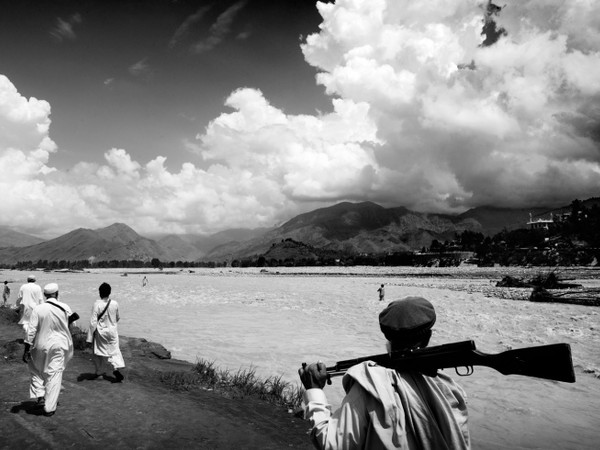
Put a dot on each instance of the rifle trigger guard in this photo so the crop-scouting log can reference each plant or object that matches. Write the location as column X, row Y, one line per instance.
column 469, row 371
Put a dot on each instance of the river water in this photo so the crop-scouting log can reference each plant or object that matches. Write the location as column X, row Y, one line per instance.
column 274, row 321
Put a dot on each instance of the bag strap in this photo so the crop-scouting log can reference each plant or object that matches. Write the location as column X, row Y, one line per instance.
column 58, row 306
column 102, row 313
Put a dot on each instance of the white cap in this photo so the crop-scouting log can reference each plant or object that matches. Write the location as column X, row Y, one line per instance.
column 51, row 288
column 31, row 277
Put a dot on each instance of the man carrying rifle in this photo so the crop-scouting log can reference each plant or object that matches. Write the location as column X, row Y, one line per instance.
column 385, row 408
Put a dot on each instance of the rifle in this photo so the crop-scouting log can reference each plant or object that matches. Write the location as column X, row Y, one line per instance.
column 551, row 362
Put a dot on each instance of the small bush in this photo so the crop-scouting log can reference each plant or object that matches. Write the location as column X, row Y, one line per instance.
column 243, row 383
column 9, row 315
column 79, row 338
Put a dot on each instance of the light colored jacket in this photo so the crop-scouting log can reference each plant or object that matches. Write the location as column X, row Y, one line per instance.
column 48, row 333
column 30, row 295
column 385, row 409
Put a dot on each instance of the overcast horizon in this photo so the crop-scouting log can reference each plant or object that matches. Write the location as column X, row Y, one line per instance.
column 190, row 116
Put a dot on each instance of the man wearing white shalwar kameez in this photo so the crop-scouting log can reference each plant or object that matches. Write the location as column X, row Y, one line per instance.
column 48, row 348
column 103, row 333
column 30, row 295
column 388, row 409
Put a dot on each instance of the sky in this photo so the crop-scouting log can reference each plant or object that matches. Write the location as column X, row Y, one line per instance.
column 190, row 116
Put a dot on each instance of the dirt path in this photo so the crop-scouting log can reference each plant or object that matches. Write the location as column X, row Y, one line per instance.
column 139, row 413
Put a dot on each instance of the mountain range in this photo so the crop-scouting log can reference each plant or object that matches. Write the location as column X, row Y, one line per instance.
column 345, row 227
column 11, row 238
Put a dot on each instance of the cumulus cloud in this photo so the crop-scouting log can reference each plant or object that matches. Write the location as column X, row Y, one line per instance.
column 302, row 157
column 423, row 116
column 514, row 126
column 259, row 163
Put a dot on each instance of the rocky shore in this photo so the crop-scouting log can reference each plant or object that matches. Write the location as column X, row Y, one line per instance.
column 141, row 412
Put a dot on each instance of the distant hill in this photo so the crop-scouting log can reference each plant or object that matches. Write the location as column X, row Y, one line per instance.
column 178, row 248
column 11, row 238
column 343, row 229
column 116, row 242
column 492, row 220
column 290, row 249
column 358, row 228
column 191, row 247
column 589, row 203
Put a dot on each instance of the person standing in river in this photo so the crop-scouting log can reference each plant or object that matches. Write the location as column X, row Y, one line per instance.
column 381, row 291
column 103, row 334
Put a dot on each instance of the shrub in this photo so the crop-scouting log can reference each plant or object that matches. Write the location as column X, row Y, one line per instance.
column 239, row 384
column 79, row 338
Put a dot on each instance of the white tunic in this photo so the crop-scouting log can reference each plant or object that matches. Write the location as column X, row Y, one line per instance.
column 51, row 349
column 30, row 295
column 106, row 340
column 385, row 409
column 48, row 331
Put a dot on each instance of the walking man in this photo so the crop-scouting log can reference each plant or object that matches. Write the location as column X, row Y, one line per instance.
column 48, row 348
column 104, row 335
column 30, row 295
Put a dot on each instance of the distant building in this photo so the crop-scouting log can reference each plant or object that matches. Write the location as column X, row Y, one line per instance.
column 541, row 224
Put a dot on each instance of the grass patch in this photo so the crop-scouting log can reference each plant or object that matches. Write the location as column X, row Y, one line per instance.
column 9, row 314
column 79, row 337
column 239, row 384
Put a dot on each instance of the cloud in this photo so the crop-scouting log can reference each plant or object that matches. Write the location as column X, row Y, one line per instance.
column 63, row 30
column 140, row 69
column 423, row 116
column 514, row 128
column 24, row 123
column 217, row 32
column 187, row 24
column 220, row 29
column 244, row 35
column 276, row 161
column 304, row 157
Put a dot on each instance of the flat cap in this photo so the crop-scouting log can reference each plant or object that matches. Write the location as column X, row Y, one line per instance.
column 50, row 288
column 406, row 318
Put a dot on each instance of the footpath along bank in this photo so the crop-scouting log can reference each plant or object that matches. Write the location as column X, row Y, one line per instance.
column 141, row 412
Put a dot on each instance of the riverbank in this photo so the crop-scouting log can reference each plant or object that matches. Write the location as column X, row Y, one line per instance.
column 141, row 412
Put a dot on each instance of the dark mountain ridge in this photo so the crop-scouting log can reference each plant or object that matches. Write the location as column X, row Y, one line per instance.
column 115, row 242
column 366, row 228
column 348, row 228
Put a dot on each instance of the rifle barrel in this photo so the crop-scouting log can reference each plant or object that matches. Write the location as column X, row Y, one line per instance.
column 552, row 362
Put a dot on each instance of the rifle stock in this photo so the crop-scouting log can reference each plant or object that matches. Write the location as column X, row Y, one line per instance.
column 551, row 362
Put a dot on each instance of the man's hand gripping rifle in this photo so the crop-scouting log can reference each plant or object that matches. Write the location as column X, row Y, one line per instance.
column 552, row 362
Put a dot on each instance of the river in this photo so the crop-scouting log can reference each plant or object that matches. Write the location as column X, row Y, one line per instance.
column 273, row 321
